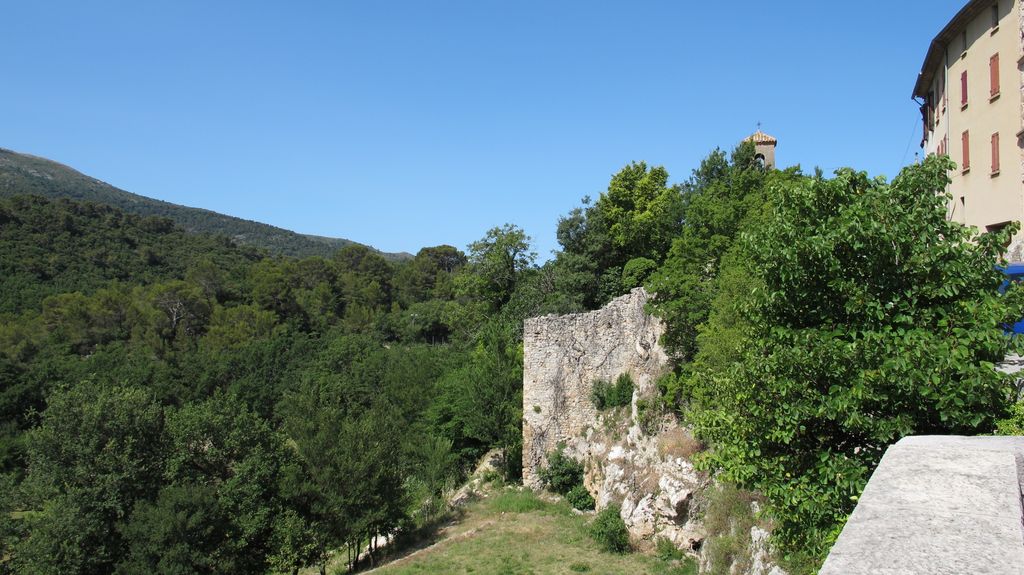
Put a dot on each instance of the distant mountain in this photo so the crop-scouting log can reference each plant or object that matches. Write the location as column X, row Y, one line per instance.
column 25, row 174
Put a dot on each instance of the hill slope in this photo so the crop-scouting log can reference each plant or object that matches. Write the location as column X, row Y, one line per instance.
column 56, row 246
column 25, row 174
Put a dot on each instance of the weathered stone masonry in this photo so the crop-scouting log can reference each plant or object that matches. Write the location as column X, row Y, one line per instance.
column 564, row 355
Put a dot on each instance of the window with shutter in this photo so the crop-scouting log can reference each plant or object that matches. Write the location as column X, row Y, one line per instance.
column 993, row 72
column 995, row 153
column 965, row 146
column 963, row 89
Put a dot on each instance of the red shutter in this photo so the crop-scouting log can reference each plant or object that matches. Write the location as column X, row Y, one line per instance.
column 965, row 143
column 993, row 73
column 995, row 153
column 963, row 88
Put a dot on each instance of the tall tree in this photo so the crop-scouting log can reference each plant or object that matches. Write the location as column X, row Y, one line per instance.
column 866, row 316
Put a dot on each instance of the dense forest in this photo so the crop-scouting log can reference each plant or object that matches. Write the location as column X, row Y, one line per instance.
column 22, row 174
column 177, row 403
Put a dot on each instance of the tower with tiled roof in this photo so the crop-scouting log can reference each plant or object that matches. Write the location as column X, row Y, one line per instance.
column 764, row 148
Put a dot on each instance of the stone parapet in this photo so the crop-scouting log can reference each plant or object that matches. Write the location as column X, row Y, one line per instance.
column 938, row 505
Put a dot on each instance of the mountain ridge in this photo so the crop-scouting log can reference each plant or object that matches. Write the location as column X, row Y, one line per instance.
column 22, row 173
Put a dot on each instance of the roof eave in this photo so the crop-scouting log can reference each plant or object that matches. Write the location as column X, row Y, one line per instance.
column 938, row 46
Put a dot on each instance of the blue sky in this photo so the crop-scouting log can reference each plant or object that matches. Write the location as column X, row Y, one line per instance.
column 410, row 124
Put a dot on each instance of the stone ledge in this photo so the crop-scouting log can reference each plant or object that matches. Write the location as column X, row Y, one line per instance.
column 938, row 505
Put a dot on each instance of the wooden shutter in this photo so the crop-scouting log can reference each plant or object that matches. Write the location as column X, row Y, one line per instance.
column 993, row 73
column 965, row 145
column 995, row 153
column 963, row 88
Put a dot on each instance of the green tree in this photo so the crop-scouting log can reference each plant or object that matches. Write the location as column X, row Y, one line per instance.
column 868, row 317
column 497, row 262
column 97, row 451
column 720, row 197
column 186, row 530
column 480, row 402
column 634, row 220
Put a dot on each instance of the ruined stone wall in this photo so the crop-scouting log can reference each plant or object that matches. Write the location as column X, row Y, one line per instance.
column 631, row 459
column 564, row 355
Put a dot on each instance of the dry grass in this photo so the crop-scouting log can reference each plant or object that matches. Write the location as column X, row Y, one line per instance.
column 679, row 442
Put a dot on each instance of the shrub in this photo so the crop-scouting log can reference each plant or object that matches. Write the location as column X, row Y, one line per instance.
column 562, row 473
column 606, row 395
column 580, row 498
column 728, row 519
column 666, row 550
column 649, row 412
column 609, row 530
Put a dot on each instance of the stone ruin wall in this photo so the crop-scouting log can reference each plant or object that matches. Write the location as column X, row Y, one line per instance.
column 647, row 472
column 564, row 355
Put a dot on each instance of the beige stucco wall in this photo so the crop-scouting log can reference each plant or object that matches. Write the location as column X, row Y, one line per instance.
column 981, row 198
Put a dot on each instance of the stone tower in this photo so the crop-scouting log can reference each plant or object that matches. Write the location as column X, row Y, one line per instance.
column 764, row 148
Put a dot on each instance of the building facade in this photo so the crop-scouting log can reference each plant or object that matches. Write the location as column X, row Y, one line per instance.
column 970, row 90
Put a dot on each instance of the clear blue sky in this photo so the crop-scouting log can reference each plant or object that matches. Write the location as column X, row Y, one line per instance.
column 409, row 124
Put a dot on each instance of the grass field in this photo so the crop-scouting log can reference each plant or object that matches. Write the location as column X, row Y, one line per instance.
column 514, row 532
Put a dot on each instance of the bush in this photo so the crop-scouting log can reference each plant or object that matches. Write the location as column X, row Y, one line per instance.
column 580, row 498
column 666, row 550
column 562, row 473
column 609, row 530
column 606, row 395
column 649, row 413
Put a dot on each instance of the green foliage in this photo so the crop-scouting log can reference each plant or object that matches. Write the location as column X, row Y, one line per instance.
column 580, row 498
column 666, row 550
column 52, row 247
column 874, row 318
column 186, row 530
column 1013, row 424
column 728, row 519
column 562, row 473
column 649, row 414
column 480, row 401
column 579, row 567
column 720, row 197
column 636, row 271
column 613, row 245
column 606, row 395
column 97, row 452
column 497, row 263
column 609, row 530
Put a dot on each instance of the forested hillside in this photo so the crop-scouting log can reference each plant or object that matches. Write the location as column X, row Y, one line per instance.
column 22, row 174
column 177, row 403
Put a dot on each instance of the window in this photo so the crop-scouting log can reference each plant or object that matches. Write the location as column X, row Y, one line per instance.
column 942, row 91
column 965, row 145
column 995, row 17
column 963, row 89
column 995, row 154
column 963, row 36
column 993, row 74
column 931, row 110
